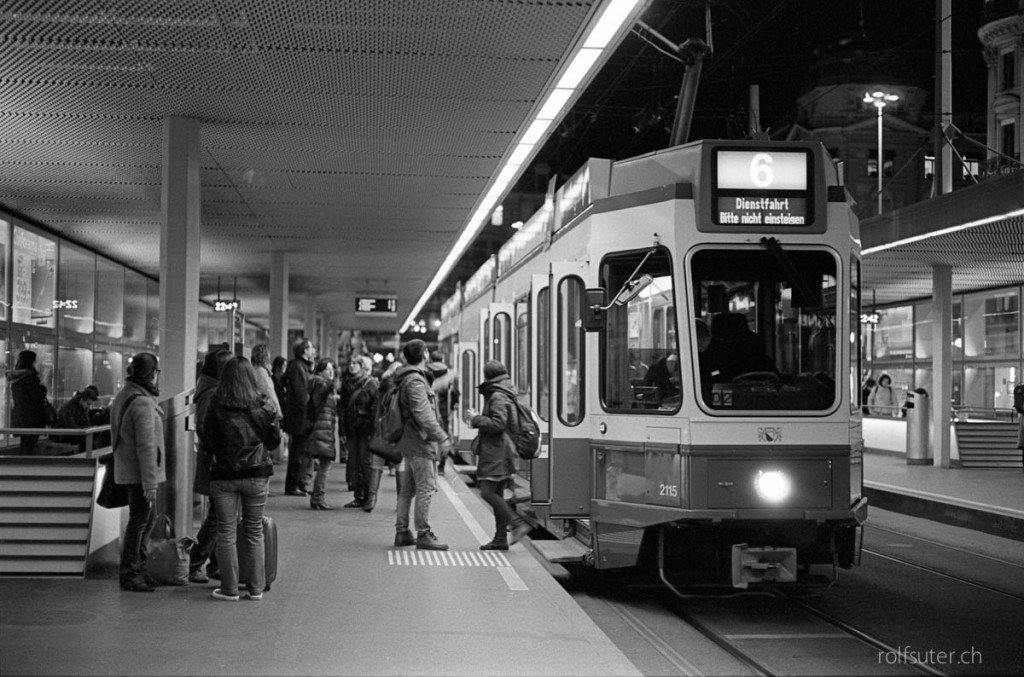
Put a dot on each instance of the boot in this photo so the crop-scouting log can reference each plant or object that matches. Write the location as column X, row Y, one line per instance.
column 497, row 543
column 372, row 484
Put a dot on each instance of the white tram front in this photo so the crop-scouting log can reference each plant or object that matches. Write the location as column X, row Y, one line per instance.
column 685, row 324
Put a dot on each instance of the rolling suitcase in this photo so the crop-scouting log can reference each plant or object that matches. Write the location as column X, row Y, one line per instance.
column 269, row 547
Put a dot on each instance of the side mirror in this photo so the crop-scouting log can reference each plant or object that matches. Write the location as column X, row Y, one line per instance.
column 595, row 302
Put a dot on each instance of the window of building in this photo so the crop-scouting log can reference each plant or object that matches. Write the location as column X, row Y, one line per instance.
column 34, row 278
column 1009, row 70
column 887, row 165
column 1008, row 134
column 992, row 324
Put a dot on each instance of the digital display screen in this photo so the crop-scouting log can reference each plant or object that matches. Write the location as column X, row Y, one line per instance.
column 376, row 305
column 223, row 305
column 754, row 188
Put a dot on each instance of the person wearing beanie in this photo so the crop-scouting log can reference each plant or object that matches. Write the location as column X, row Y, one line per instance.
column 75, row 414
column 496, row 463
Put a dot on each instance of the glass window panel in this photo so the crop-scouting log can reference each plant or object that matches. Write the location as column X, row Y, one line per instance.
column 989, row 386
column 772, row 322
column 469, row 382
column 108, row 371
column 503, row 339
column 543, row 353
column 640, row 355
column 523, row 350
column 34, row 278
column 135, row 307
column 110, row 300
column 855, row 333
column 570, row 351
column 77, row 289
column 5, row 401
column 893, row 335
column 74, row 372
column 923, row 330
column 5, row 260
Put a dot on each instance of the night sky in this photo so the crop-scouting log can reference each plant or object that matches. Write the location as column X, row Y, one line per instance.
column 779, row 45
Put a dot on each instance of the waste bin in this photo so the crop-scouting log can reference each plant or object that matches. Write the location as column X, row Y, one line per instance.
column 918, row 416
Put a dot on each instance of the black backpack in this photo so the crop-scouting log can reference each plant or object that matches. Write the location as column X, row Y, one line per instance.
column 526, row 435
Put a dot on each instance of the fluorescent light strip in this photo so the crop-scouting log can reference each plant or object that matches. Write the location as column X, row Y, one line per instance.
column 944, row 231
column 580, row 65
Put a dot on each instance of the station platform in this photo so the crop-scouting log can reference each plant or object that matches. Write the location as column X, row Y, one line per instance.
column 345, row 602
column 986, row 500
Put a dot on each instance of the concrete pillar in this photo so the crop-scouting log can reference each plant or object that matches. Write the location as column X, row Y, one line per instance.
column 309, row 321
column 278, row 338
column 179, row 298
column 942, row 362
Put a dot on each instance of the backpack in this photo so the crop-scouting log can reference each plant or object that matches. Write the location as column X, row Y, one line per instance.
column 389, row 424
column 1018, row 398
column 526, row 436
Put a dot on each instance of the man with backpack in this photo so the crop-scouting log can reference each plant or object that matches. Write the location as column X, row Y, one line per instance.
column 496, row 454
column 421, row 443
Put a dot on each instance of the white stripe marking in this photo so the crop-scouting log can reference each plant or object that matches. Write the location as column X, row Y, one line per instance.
column 512, row 579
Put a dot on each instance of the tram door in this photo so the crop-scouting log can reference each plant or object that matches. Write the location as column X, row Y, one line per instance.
column 569, row 447
column 540, row 386
column 467, row 359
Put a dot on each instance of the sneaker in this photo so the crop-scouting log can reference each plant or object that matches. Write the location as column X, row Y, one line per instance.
column 197, row 576
column 254, row 596
column 428, row 541
column 217, row 594
column 518, row 531
column 404, row 538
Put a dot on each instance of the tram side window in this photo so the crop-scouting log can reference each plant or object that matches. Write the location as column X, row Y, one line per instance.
column 544, row 353
column 501, row 350
column 467, row 373
column 522, row 347
column 571, row 384
column 640, row 367
column 771, row 343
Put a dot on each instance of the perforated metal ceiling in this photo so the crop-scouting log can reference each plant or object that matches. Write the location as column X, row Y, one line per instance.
column 335, row 130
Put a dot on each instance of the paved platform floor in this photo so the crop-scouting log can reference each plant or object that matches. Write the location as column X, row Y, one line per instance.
column 345, row 603
column 988, row 500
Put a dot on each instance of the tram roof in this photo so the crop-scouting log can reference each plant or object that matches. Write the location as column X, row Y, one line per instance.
column 358, row 137
column 977, row 231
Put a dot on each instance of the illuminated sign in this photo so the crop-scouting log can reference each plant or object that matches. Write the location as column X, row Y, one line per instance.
column 66, row 304
column 869, row 318
column 381, row 306
column 759, row 188
column 224, row 305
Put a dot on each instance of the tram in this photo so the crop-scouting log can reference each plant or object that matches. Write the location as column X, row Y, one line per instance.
column 685, row 324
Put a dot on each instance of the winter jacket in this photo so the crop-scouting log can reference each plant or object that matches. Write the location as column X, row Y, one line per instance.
column 361, row 408
column 882, row 401
column 265, row 382
column 137, row 434
column 233, row 434
column 29, row 396
column 296, row 385
column 446, row 387
column 496, row 457
column 422, row 431
column 71, row 415
column 205, row 388
column 323, row 410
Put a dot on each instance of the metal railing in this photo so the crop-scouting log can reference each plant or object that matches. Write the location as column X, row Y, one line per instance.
column 63, row 432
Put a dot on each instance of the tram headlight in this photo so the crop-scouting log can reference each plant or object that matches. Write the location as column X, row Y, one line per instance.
column 773, row 486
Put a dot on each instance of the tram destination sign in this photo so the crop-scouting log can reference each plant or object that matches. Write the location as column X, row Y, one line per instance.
column 379, row 306
column 762, row 188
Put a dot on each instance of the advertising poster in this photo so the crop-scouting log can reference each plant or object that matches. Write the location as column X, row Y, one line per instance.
column 34, row 278
column 5, row 247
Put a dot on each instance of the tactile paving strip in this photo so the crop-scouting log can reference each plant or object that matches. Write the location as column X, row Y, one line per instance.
column 447, row 558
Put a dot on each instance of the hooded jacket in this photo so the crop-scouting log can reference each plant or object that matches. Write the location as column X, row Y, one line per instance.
column 496, row 457
column 422, row 431
column 29, row 396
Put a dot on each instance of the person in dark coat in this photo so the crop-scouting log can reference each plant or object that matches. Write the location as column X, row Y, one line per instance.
column 137, row 435
column 446, row 387
column 322, row 446
column 297, row 422
column 359, row 418
column 29, row 396
column 206, row 539
column 77, row 413
column 496, row 463
column 239, row 430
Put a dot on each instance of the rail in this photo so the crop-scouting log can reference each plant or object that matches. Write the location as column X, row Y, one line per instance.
column 955, row 413
column 65, row 432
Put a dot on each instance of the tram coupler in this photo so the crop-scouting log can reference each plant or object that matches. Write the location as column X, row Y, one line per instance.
column 760, row 565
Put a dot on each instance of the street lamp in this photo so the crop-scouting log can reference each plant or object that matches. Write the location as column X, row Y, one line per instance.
column 880, row 100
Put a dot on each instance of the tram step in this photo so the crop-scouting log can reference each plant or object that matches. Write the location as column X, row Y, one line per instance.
column 565, row 550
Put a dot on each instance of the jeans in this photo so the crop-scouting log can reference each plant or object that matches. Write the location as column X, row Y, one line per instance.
column 493, row 494
column 206, row 541
column 418, row 479
column 323, row 466
column 299, row 472
column 141, row 518
column 355, row 469
column 251, row 495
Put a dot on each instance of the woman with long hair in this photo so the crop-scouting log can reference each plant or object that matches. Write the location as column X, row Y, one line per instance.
column 323, row 445
column 265, row 380
column 137, row 436
column 238, row 432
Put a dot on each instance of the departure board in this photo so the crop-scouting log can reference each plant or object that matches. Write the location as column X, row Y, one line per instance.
column 381, row 306
column 762, row 188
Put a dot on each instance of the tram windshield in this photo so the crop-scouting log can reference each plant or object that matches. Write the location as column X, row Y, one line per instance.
column 764, row 327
